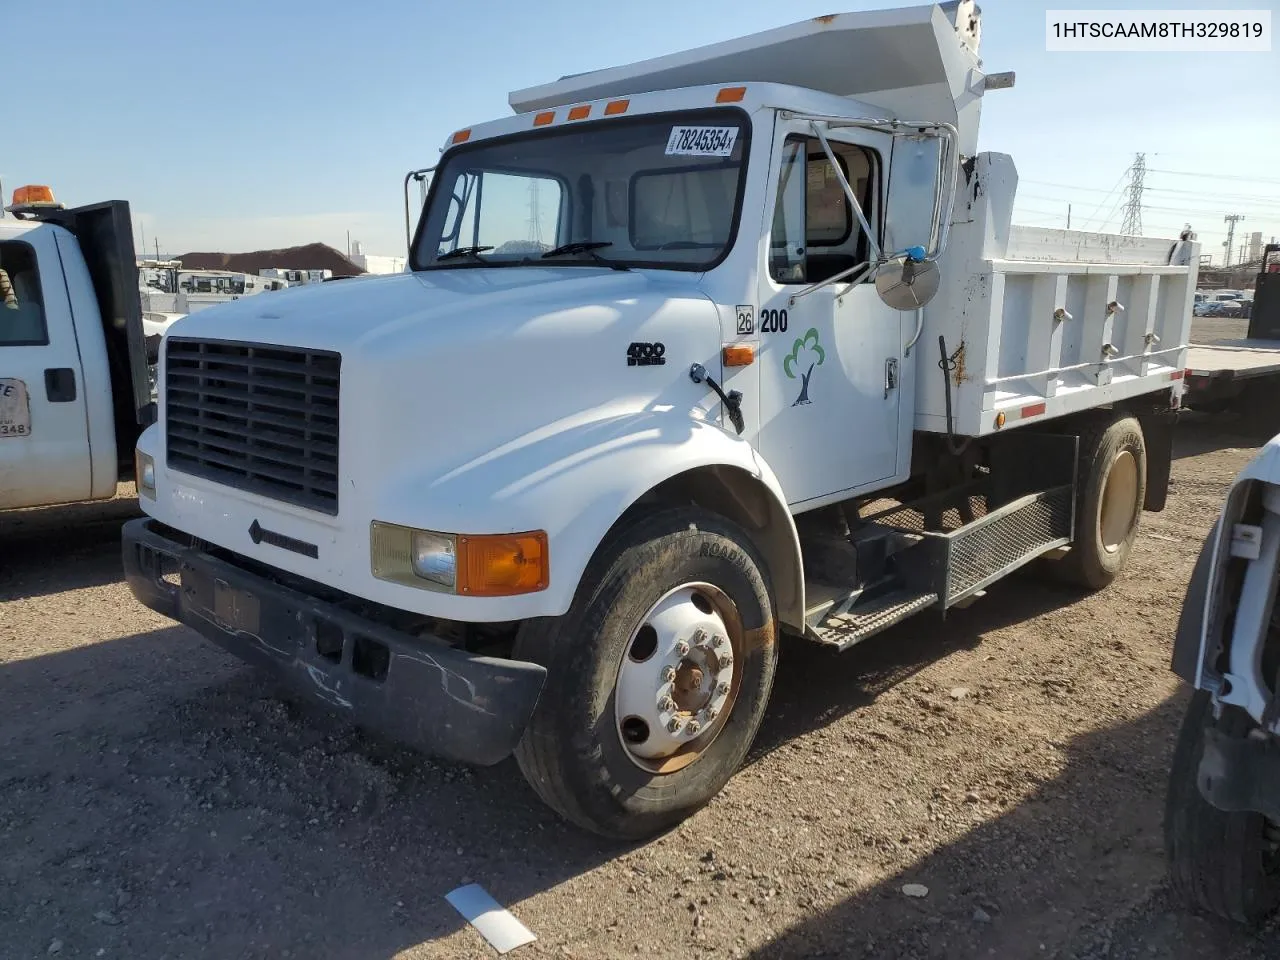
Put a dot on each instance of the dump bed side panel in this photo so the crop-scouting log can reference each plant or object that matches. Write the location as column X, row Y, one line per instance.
column 1039, row 324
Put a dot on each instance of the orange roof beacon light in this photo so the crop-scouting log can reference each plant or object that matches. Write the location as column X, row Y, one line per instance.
column 33, row 195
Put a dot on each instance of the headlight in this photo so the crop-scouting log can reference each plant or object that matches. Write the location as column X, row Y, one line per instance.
column 144, row 469
column 435, row 557
column 485, row 565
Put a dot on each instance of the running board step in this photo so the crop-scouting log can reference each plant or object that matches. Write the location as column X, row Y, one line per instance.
column 843, row 630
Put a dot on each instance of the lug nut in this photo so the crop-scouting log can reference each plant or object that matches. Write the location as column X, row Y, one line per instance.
column 726, row 661
column 682, row 648
column 717, row 640
column 712, row 713
column 668, row 674
column 674, row 724
column 694, row 727
column 665, row 704
column 699, row 636
column 722, row 688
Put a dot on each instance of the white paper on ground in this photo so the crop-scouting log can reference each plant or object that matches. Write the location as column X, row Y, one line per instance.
column 503, row 931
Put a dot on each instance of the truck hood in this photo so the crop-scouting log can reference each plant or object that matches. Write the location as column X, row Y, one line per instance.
column 440, row 369
column 345, row 314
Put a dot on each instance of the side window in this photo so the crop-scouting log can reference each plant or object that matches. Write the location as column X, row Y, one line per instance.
column 21, row 304
column 815, row 232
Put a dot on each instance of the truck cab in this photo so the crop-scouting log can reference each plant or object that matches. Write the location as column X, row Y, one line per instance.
column 690, row 354
column 74, row 391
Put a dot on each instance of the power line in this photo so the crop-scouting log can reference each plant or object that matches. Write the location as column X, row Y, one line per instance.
column 1206, row 194
column 1217, row 176
column 1089, row 219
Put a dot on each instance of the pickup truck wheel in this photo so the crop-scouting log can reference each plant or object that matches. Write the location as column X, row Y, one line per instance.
column 1227, row 864
column 1111, row 486
column 657, row 677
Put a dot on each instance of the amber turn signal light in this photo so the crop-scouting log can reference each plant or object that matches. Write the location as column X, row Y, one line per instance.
column 501, row 565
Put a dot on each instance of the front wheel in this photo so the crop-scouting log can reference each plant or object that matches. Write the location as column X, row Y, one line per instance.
column 657, row 677
column 1225, row 863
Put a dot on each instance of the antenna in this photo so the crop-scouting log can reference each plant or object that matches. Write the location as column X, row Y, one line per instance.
column 1231, row 219
column 1132, row 226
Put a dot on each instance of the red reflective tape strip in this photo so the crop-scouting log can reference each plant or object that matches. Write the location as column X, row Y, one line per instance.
column 1033, row 411
column 1177, row 374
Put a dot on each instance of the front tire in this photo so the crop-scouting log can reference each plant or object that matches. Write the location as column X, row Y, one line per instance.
column 657, row 677
column 1225, row 863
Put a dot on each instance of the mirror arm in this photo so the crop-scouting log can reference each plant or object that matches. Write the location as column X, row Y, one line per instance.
column 420, row 176
column 835, row 278
column 848, row 192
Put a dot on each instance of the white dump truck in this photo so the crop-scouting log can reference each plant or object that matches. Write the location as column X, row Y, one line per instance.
column 692, row 355
column 74, row 386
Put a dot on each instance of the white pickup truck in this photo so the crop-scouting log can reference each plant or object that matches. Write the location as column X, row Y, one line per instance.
column 74, row 386
column 658, row 388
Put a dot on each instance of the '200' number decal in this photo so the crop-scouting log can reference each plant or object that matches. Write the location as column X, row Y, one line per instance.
column 773, row 321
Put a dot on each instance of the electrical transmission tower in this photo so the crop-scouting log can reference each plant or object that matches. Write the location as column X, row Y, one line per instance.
column 1231, row 219
column 1132, row 226
column 535, row 212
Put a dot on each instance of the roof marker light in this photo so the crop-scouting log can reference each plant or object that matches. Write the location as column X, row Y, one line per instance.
column 731, row 94
column 542, row 119
column 615, row 107
column 580, row 113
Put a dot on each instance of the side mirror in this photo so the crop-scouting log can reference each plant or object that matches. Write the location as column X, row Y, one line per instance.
column 914, row 207
column 909, row 281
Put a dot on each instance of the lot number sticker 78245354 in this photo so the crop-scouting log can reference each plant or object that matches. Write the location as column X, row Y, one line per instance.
column 701, row 141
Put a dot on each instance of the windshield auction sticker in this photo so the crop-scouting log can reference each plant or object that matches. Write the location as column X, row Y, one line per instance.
column 15, row 412
column 701, row 141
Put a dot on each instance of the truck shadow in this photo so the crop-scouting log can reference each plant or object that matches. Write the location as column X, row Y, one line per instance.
column 1078, row 860
column 53, row 549
column 159, row 782
column 1199, row 433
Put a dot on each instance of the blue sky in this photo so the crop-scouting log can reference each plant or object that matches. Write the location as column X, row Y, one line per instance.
column 240, row 125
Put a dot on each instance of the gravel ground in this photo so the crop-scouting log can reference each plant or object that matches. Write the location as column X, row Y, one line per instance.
column 158, row 799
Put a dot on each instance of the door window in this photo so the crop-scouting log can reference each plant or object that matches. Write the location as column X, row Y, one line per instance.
column 815, row 231
column 22, row 320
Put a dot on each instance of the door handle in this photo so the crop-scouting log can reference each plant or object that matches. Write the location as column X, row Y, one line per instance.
column 890, row 375
column 60, row 384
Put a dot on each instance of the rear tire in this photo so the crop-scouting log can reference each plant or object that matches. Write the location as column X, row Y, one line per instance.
column 1224, row 863
column 578, row 753
column 1111, row 485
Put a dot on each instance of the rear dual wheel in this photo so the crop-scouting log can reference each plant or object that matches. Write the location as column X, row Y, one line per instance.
column 1111, row 486
column 657, row 677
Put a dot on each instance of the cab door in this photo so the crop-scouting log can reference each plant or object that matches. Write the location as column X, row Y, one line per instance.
column 44, row 434
column 829, row 360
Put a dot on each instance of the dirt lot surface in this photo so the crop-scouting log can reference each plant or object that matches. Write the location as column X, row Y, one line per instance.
column 158, row 799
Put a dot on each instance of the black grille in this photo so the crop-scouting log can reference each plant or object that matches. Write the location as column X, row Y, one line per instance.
column 255, row 417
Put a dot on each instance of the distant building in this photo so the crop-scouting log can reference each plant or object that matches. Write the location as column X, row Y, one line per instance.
column 1255, row 247
column 373, row 263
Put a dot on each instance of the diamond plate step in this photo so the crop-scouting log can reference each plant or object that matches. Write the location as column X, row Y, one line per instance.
column 844, row 630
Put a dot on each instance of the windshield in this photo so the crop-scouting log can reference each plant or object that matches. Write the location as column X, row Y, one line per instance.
column 652, row 191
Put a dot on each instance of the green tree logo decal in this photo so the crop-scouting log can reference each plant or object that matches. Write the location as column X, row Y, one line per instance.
column 805, row 355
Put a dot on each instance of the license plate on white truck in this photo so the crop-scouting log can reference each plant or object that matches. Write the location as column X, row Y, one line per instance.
column 15, row 409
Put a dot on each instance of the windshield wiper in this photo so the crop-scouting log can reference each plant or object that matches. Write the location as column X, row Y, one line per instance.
column 588, row 247
column 577, row 246
column 463, row 252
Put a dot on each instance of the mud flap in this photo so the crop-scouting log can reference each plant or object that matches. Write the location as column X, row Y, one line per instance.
column 1157, row 434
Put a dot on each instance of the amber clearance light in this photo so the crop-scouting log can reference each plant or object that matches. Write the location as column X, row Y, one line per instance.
column 500, row 565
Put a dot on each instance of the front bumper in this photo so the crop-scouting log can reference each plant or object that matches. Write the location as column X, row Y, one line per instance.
column 440, row 699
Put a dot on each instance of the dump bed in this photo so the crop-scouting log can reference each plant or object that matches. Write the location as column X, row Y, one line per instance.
column 1041, row 323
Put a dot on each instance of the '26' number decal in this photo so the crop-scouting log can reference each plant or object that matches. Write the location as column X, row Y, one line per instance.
column 773, row 321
